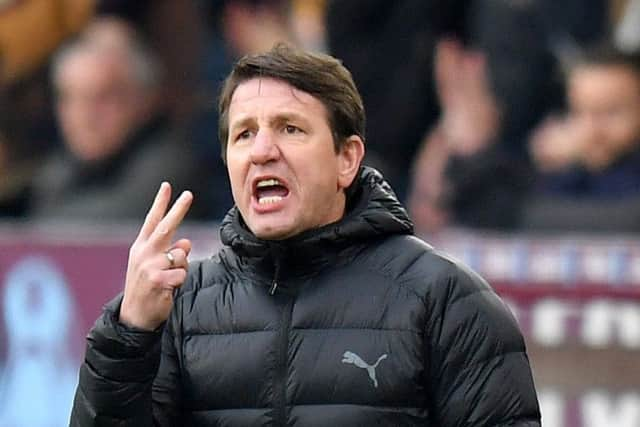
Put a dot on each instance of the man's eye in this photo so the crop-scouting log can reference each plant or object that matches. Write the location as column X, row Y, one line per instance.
column 290, row 129
column 243, row 135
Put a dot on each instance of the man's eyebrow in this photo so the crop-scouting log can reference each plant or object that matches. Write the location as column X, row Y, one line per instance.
column 243, row 122
column 277, row 118
column 289, row 115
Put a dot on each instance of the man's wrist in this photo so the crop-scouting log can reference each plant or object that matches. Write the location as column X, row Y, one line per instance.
column 135, row 325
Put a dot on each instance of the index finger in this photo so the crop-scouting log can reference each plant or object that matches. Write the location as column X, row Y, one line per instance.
column 169, row 224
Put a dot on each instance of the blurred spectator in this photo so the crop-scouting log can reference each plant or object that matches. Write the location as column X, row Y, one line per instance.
column 589, row 161
column 118, row 144
column 462, row 176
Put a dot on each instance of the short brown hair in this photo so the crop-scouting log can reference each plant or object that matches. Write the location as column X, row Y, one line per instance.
column 320, row 75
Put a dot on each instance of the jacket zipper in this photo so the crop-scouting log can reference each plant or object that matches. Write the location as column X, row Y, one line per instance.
column 283, row 365
column 274, row 287
column 276, row 276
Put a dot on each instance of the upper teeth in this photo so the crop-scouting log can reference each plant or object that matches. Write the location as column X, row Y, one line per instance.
column 268, row 183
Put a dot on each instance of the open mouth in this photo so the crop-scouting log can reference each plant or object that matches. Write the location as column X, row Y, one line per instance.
column 269, row 191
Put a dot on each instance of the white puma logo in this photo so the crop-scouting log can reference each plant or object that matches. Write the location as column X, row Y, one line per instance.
column 354, row 359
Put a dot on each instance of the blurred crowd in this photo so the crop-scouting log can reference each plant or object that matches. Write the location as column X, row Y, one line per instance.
column 493, row 114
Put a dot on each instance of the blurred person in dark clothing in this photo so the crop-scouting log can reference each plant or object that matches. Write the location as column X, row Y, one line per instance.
column 117, row 141
column 588, row 161
column 462, row 175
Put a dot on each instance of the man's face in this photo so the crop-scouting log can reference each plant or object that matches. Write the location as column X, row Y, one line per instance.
column 98, row 106
column 605, row 101
column 285, row 174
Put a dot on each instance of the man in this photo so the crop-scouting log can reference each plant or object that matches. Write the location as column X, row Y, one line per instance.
column 587, row 162
column 117, row 141
column 463, row 174
column 322, row 310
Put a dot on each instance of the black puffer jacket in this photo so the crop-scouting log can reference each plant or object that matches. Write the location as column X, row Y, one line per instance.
column 355, row 324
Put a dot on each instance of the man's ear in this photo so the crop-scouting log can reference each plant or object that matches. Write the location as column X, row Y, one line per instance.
column 350, row 157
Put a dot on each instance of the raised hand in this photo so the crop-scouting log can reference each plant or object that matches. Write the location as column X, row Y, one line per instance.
column 156, row 266
column 470, row 113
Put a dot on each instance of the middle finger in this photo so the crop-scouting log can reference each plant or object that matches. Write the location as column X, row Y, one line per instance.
column 163, row 233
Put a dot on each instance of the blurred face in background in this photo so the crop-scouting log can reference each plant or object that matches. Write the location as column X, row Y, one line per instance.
column 99, row 103
column 604, row 102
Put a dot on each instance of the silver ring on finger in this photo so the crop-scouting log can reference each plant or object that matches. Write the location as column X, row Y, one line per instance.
column 170, row 258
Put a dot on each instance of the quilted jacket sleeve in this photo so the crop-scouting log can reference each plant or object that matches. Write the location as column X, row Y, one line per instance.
column 480, row 373
column 117, row 377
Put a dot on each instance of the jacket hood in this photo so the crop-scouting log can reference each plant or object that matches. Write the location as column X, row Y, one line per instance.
column 373, row 212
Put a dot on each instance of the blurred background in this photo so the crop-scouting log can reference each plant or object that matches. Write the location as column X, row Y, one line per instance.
column 509, row 128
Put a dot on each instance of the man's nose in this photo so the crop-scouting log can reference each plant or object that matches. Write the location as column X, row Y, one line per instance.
column 264, row 148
